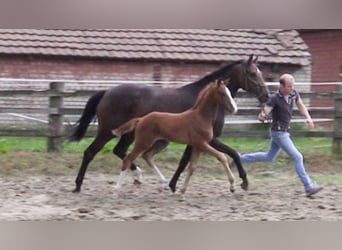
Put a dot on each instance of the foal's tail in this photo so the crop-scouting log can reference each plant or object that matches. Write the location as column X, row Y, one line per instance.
column 88, row 115
column 126, row 127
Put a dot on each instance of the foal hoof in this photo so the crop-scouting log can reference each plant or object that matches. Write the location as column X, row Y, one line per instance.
column 232, row 190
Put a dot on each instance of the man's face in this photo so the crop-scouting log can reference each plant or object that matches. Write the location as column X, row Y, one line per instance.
column 287, row 88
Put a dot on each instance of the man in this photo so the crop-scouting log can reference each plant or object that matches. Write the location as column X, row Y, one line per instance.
column 280, row 106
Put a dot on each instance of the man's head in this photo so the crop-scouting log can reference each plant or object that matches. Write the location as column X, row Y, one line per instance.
column 287, row 82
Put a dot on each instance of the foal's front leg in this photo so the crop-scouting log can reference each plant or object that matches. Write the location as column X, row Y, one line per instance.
column 182, row 165
column 215, row 143
column 195, row 154
column 223, row 159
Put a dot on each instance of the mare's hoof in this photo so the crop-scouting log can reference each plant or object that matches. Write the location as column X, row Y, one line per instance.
column 137, row 182
column 76, row 190
column 244, row 186
column 172, row 187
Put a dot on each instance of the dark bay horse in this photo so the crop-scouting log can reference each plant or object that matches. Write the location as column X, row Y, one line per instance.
column 193, row 127
column 117, row 105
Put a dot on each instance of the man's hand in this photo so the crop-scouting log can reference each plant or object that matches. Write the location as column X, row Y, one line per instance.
column 309, row 123
column 262, row 116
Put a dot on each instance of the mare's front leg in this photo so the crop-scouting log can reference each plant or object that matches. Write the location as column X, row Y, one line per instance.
column 121, row 151
column 181, row 166
column 215, row 143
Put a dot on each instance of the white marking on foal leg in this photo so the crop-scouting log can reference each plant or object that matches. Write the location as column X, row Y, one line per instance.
column 121, row 179
column 185, row 184
column 159, row 174
column 137, row 175
column 162, row 179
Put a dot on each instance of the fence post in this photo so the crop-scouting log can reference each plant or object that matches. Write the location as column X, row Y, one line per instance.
column 56, row 128
column 337, row 140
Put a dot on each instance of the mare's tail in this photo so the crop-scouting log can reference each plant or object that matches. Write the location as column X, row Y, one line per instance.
column 88, row 115
column 126, row 127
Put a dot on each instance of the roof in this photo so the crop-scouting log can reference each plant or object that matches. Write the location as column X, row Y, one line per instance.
column 272, row 46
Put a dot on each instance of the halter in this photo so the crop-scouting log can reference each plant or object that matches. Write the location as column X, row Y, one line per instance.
column 248, row 78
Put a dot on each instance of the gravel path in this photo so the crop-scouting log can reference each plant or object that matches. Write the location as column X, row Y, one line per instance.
column 207, row 199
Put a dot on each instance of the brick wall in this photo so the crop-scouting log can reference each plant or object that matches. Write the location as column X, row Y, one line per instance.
column 325, row 47
column 89, row 69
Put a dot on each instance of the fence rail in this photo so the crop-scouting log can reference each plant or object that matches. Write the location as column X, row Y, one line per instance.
column 53, row 121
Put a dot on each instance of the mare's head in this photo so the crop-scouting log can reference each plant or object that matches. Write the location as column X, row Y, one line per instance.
column 219, row 92
column 249, row 78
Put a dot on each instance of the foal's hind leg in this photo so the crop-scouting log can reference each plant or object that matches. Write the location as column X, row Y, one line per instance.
column 121, row 151
column 125, row 164
column 223, row 159
column 148, row 157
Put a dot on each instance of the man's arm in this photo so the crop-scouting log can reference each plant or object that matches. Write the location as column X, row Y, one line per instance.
column 304, row 112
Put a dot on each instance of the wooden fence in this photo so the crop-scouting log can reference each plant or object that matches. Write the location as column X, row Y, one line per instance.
column 243, row 125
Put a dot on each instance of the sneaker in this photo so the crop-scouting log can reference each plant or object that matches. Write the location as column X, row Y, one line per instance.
column 313, row 191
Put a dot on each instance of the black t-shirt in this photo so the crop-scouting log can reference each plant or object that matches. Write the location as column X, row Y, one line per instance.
column 282, row 109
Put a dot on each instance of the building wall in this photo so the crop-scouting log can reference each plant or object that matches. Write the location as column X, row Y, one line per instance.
column 90, row 69
column 325, row 47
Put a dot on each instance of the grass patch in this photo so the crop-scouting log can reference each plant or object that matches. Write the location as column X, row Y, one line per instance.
column 27, row 155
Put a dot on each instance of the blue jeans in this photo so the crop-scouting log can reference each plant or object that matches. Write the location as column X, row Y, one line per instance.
column 281, row 140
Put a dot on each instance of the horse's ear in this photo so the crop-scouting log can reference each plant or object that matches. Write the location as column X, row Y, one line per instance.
column 255, row 59
column 218, row 82
column 221, row 81
column 250, row 59
column 226, row 82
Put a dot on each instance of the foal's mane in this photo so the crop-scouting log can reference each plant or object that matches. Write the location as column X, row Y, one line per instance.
column 222, row 72
column 203, row 94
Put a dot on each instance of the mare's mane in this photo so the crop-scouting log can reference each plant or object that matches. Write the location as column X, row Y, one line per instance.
column 225, row 70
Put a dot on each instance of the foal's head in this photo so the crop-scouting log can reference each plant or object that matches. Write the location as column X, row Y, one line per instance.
column 218, row 92
column 225, row 97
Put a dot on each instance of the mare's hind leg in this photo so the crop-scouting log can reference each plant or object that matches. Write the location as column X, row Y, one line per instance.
column 195, row 154
column 215, row 143
column 158, row 146
column 121, row 151
column 88, row 155
column 223, row 159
